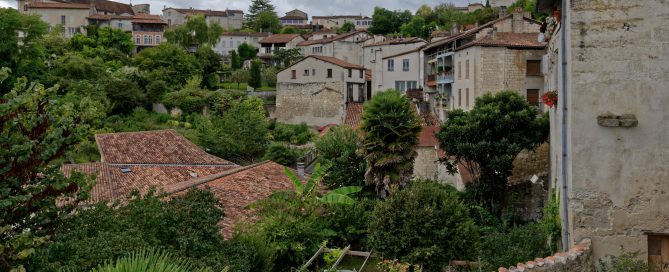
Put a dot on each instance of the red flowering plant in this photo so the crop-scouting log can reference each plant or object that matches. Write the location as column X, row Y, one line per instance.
column 550, row 99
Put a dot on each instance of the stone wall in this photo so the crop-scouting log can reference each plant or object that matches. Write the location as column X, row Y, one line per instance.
column 425, row 164
column 577, row 259
column 316, row 104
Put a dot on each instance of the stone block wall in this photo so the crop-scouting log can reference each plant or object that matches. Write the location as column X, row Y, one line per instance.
column 426, row 162
column 316, row 104
column 577, row 259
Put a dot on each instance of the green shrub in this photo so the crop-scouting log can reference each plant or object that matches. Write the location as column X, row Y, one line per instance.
column 518, row 244
column 248, row 253
column 349, row 222
column 283, row 154
column 149, row 260
column 339, row 148
column 426, row 224
column 294, row 134
column 625, row 262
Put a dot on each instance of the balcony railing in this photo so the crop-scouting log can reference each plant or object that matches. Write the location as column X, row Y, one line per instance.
column 431, row 80
column 446, row 77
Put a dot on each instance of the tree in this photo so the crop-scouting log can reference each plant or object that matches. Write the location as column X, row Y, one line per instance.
column 482, row 141
column 210, row 62
column 282, row 153
column 169, row 63
column 267, row 21
column 190, row 99
column 415, row 28
column 247, row 51
column 348, row 26
column 309, row 192
column 149, row 260
column 195, row 32
column 390, row 133
column 37, row 127
column 23, row 54
column 269, row 75
column 289, row 30
column 339, row 149
column 156, row 89
column 256, row 77
column 257, row 7
column 240, row 76
column 235, row 61
column 116, row 38
column 425, row 224
column 385, row 21
column 240, row 135
column 424, row 11
column 124, row 94
column 287, row 57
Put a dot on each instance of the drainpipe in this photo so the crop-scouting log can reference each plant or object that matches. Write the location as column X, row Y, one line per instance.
column 565, row 155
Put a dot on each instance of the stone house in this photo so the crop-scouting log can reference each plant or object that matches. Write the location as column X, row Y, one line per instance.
column 232, row 40
column 363, row 23
column 400, row 71
column 346, row 47
column 374, row 52
column 228, row 19
column 70, row 16
column 147, row 30
column 270, row 44
column 609, row 140
column 321, row 34
column 317, row 89
column 501, row 3
column 295, row 18
column 442, row 66
column 334, row 22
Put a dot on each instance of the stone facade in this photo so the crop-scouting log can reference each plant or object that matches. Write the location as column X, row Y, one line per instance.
column 313, row 103
column 617, row 57
column 425, row 164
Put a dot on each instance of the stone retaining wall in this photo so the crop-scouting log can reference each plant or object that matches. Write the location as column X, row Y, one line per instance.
column 577, row 259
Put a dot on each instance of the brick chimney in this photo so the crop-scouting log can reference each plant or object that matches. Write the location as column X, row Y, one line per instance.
column 517, row 22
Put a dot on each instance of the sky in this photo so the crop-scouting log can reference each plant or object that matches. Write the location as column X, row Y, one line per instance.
column 311, row 7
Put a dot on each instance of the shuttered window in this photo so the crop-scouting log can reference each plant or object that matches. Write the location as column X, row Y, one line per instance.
column 533, row 97
column 534, row 68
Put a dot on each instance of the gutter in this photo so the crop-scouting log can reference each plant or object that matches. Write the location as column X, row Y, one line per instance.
column 565, row 155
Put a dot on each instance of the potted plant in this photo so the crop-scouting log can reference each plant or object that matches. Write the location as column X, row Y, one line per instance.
column 550, row 99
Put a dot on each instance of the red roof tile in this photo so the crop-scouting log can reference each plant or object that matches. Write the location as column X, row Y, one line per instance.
column 407, row 40
column 427, row 137
column 107, row 17
column 508, row 39
column 104, row 188
column 353, row 114
column 46, row 5
column 331, row 39
column 247, row 34
column 337, row 62
column 337, row 17
column 280, row 38
column 152, row 147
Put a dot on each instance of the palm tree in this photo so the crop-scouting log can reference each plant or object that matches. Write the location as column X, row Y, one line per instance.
column 390, row 132
column 149, row 260
column 309, row 191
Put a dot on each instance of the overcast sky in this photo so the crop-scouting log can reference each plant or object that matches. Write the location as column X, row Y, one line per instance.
column 312, row 7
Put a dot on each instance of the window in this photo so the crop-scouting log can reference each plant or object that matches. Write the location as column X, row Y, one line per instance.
column 405, row 65
column 459, row 97
column 400, row 86
column 412, row 85
column 62, row 19
column 268, row 50
column 467, row 97
column 391, row 65
column 138, row 39
column 362, row 74
column 313, row 72
column 467, row 69
column 533, row 97
column 534, row 67
column 120, row 25
column 293, row 74
column 158, row 39
column 71, row 31
column 459, row 70
column 25, row 7
column 146, row 39
column 350, row 73
column 169, row 21
column 306, row 72
column 658, row 250
column 317, row 50
column 329, row 73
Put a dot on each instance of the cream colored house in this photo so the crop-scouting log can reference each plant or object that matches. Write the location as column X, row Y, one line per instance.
column 270, row 44
column 334, row 22
column 363, row 23
column 374, row 53
column 227, row 19
column 232, row 40
column 71, row 17
column 400, row 71
column 317, row 89
column 609, row 132
column 346, row 47
column 296, row 18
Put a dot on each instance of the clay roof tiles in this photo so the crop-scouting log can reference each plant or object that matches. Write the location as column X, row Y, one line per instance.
column 331, row 39
column 46, row 5
column 353, row 114
column 280, row 38
column 337, row 62
column 508, row 39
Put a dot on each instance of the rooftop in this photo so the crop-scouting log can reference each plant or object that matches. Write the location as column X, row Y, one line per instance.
column 45, row 5
column 207, row 12
column 408, row 40
column 280, row 38
column 508, row 39
column 337, row 62
column 353, row 114
column 331, row 39
column 247, row 34
column 337, row 17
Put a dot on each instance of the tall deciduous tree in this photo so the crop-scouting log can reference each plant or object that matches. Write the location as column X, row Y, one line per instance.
column 390, row 135
column 348, row 26
column 339, row 149
column 385, row 21
column 195, row 32
column 488, row 138
column 169, row 63
column 235, row 60
column 210, row 62
column 24, row 54
column 37, row 127
column 257, row 7
column 256, row 75
column 286, row 57
column 247, row 51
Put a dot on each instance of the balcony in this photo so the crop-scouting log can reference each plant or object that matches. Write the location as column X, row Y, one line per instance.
column 431, row 81
column 445, row 78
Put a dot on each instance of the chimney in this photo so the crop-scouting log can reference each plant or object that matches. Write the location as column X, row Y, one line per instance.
column 517, row 21
column 300, row 169
column 454, row 28
column 493, row 33
column 502, row 11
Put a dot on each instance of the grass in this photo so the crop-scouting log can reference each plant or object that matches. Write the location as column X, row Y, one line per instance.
column 242, row 86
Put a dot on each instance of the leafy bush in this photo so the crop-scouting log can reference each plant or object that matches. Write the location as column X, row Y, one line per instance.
column 518, row 244
column 190, row 99
column 339, row 148
column 294, row 134
column 625, row 262
column 425, row 224
column 283, row 154
column 349, row 222
column 248, row 253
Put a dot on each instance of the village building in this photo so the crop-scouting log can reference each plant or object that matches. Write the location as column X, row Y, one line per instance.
column 296, row 18
column 608, row 64
column 228, row 19
column 168, row 163
column 147, row 30
column 270, row 44
column 70, row 16
column 501, row 3
column 375, row 57
column 445, row 62
column 363, row 23
column 232, row 40
column 335, row 22
column 346, row 47
column 470, row 8
column 317, row 90
column 320, row 34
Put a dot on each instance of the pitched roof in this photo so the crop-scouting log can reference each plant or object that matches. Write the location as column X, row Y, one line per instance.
column 280, row 38
column 152, row 147
column 107, row 17
column 238, row 188
column 331, row 39
column 337, row 17
column 293, row 17
column 103, row 190
column 407, row 40
column 508, row 39
column 353, row 114
column 205, row 12
column 113, row 7
column 143, row 18
column 247, row 34
column 336, row 61
column 46, row 5
column 417, row 49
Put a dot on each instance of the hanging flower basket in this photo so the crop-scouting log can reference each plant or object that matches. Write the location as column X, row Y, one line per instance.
column 550, row 99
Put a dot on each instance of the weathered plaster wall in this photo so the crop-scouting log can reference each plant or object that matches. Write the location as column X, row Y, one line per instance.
column 618, row 61
column 316, row 104
column 425, row 164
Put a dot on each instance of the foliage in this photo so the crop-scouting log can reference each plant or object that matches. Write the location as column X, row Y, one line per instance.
column 186, row 226
column 551, row 222
column 308, row 192
column 550, row 99
column 625, row 262
column 116, row 38
column 248, row 253
column 385, row 21
column 417, row 27
column 332, row 256
column 425, row 224
column 156, row 89
column 190, row 99
column 247, row 51
column 339, row 148
column 262, row 17
column 391, row 129
column 506, row 247
column 240, row 135
column 349, row 222
column 168, row 63
column 148, row 260
column 240, row 76
column 396, row 266
column 294, row 134
column 288, row 30
column 210, row 62
column 258, row 6
column 235, row 61
column 269, row 75
column 124, row 95
column 348, row 26
column 482, row 141
column 37, row 127
column 283, row 154
column 287, row 57
column 73, row 67
column 196, row 31
column 255, row 79
column 23, row 54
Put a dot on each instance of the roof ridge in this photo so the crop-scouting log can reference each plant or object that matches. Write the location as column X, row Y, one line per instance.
column 137, row 132
column 184, row 185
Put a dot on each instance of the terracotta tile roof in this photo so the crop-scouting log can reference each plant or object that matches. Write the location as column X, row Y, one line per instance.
column 325, row 129
column 104, row 188
column 405, row 52
column 415, row 94
column 427, row 137
column 280, row 38
column 152, row 147
column 204, row 12
column 331, row 39
column 142, row 18
column 293, row 18
column 239, row 188
column 337, row 62
column 247, row 34
column 337, row 17
column 407, row 40
column 324, row 31
column 508, row 39
column 113, row 7
column 107, row 17
column 353, row 114
column 45, row 5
